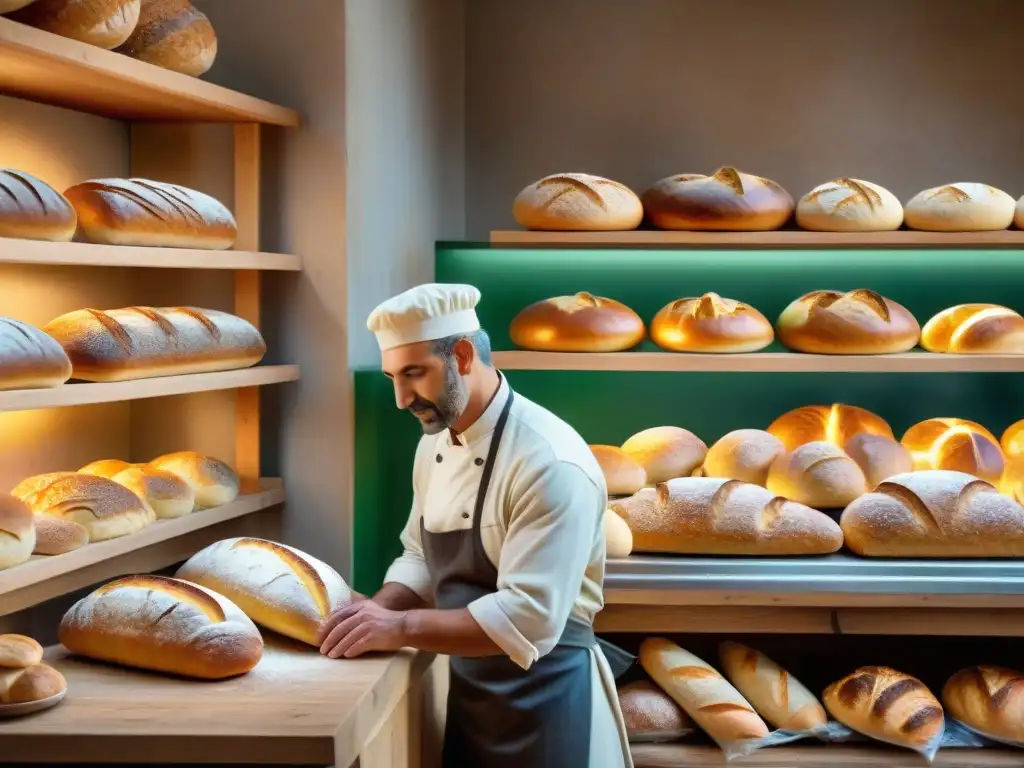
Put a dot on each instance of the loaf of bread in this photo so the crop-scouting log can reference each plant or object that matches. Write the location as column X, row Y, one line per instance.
column 103, row 23
column 167, row 494
column 32, row 683
column 1012, row 481
column 711, row 324
column 142, row 342
column 666, row 452
column 988, row 699
column 107, row 468
column 174, row 35
column 622, row 474
column 975, row 329
column 878, row 457
column 960, row 207
column 849, row 205
column 650, row 714
column 957, row 444
column 580, row 323
column 743, row 454
column 55, row 536
column 776, row 695
column 934, row 513
column 707, row 697
column 818, row 474
column 213, row 482
column 33, row 210
column 277, row 586
column 714, row 516
column 165, row 625
column 1012, row 440
column 859, row 322
column 886, row 705
column 727, row 200
column 19, row 651
column 151, row 213
column 577, row 201
column 17, row 532
column 617, row 536
column 836, row 423
column 104, row 508
column 35, row 483
column 8, row 6
column 30, row 358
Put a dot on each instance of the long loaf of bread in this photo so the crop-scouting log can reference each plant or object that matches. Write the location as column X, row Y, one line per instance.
column 33, row 210
column 30, row 358
column 988, row 699
column 141, row 342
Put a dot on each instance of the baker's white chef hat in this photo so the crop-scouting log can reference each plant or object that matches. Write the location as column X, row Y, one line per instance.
column 425, row 313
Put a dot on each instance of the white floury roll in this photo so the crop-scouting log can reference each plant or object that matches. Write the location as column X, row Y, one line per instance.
column 849, row 205
column 961, row 207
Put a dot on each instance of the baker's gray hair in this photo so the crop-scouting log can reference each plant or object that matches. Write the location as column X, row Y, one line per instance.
column 445, row 348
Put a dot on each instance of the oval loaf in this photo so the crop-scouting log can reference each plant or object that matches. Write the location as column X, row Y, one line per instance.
column 577, row 201
column 988, row 699
column 33, row 210
column 651, row 715
column 30, row 358
column 213, row 482
column 711, row 324
column 107, row 510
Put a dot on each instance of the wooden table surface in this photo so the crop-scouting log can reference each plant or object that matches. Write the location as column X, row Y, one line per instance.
column 296, row 707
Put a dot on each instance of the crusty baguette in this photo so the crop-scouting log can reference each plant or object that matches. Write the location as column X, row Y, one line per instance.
column 818, row 474
column 988, row 699
column 106, row 509
column 715, row 516
column 174, row 35
column 30, row 358
column 776, row 695
column 849, row 205
column 650, row 714
column 19, row 651
column 711, row 324
column 103, row 23
column 141, row 342
column 17, row 531
column 727, row 200
column 666, row 452
column 32, row 683
column 859, row 322
column 277, row 586
column 934, row 513
column 164, row 492
column 618, row 538
column 960, row 207
column 886, row 705
column 213, row 482
column 836, row 423
column 577, row 201
column 33, row 210
column 975, row 329
column 707, row 697
column 957, row 444
column 743, row 454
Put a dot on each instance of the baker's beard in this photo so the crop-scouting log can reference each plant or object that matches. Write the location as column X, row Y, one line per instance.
column 439, row 416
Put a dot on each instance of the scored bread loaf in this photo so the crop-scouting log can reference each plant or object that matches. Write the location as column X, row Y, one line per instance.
column 835, row 423
column 957, row 444
column 707, row 697
column 988, row 699
column 960, row 207
column 106, row 509
column 165, row 625
column 579, row 323
column 577, row 201
column 650, row 714
column 859, row 322
column 886, row 705
column 878, row 457
column 278, row 587
column 711, row 324
column 849, row 205
column 19, row 651
column 818, row 474
column 714, row 516
column 618, row 538
column 743, row 454
column 141, row 342
column 151, row 213
column 17, row 531
column 776, row 695
column 213, row 482
column 174, row 35
column 32, row 683
column 103, row 23
column 727, row 200
column 666, row 452
column 975, row 329
column 623, row 475
column 934, row 513
column 30, row 358
column 33, row 210
column 167, row 494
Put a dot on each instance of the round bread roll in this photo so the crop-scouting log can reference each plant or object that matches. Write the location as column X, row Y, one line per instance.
column 859, row 322
column 17, row 531
column 32, row 209
column 55, row 536
column 978, row 329
column 652, row 715
column 666, row 452
column 849, row 205
column 166, row 494
column 577, row 201
column 727, row 200
column 818, row 475
column 743, row 454
column 878, row 457
column 618, row 538
column 988, row 699
column 835, row 423
column 1012, row 441
column 961, row 207
column 213, row 482
column 174, row 35
column 103, row 23
column 580, row 323
column 712, row 324
column 33, row 683
column 622, row 474
column 19, row 651
column 955, row 444
column 105, row 468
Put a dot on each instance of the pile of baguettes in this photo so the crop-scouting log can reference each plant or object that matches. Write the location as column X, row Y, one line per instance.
column 824, row 322
column 58, row 512
column 948, row 488
column 731, row 200
column 756, row 695
column 167, row 33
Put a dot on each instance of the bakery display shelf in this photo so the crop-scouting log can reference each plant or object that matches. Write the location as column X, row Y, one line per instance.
column 159, row 545
column 13, row 251
column 813, row 756
column 140, row 389
column 43, row 67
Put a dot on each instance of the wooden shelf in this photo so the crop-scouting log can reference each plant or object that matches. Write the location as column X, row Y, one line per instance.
column 761, row 362
column 43, row 67
column 163, row 543
column 653, row 238
column 825, row 756
column 14, row 251
column 163, row 386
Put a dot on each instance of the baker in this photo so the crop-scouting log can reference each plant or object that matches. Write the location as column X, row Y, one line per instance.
column 504, row 552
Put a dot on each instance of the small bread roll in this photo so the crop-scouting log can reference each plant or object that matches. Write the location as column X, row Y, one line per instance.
column 818, row 475
column 836, row 423
column 743, row 454
column 712, row 324
column 105, row 468
column 618, row 537
column 988, row 699
column 961, row 207
column 849, row 205
column 650, row 714
column 577, row 201
column 1012, row 441
column 174, row 35
column 859, row 322
column 622, row 474
column 167, row 494
column 666, row 452
column 103, row 23
column 55, row 536
column 19, row 651
column 727, row 200
column 955, row 444
column 975, row 329
column 32, row 683
column 17, row 531
column 580, row 323
column 879, row 458
column 213, row 482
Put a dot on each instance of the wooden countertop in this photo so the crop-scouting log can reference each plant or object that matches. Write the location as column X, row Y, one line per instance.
column 296, row 707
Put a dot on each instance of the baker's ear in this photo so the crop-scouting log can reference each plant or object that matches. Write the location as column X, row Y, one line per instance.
column 465, row 355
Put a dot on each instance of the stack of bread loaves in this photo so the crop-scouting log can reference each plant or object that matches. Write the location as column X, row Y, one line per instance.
column 24, row 678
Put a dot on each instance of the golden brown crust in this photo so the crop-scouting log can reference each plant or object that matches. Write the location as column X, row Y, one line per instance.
column 103, row 23
column 858, row 322
column 105, row 468
column 1012, row 440
column 32, row 209
column 57, row 537
column 622, row 474
column 174, row 35
column 956, row 444
column 30, row 358
column 727, row 200
column 33, row 683
column 213, row 482
column 666, row 452
column 974, row 329
column 168, row 495
column 577, row 201
column 743, row 454
column 649, row 712
column 711, row 324
column 105, row 508
column 579, row 323
column 19, row 651
column 988, row 699
column 818, row 474
column 835, row 423
column 879, row 458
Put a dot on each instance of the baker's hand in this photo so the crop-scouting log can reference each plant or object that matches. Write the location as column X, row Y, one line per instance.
column 360, row 627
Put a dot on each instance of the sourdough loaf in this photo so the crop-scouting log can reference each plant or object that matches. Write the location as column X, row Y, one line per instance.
column 727, row 200
column 17, row 531
column 975, row 329
column 167, row 494
column 818, row 474
column 666, row 452
column 30, row 358
column 622, row 475
column 174, row 35
column 960, row 207
column 103, row 23
column 32, row 209
column 988, row 699
column 836, row 423
column 104, row 508
column 849, row 205
column 711, row 324
column 579, row 323
column 19, row 651
column 577, row 201
column 652, row 715
column 957, row 444
column 859, row 322
column 213, row 482
column 32, row 683
column 618, row 538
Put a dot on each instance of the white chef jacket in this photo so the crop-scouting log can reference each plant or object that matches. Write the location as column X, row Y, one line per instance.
column 541, row 525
